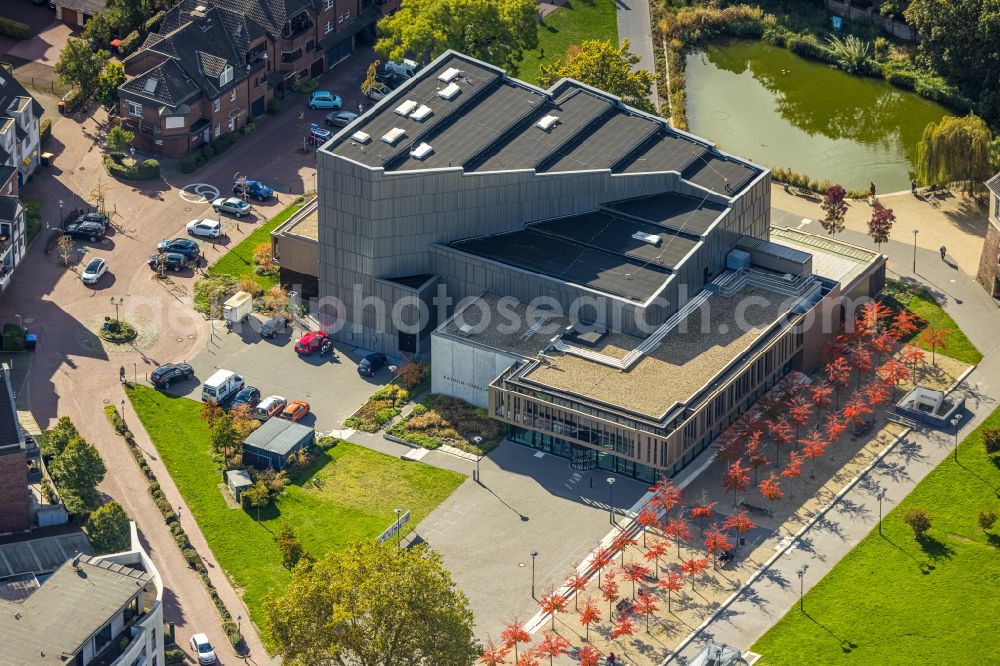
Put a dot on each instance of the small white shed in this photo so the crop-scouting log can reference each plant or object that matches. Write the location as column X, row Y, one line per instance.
column 238, row 481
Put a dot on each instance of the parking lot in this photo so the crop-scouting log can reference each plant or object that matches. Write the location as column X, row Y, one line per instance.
column 331, row 386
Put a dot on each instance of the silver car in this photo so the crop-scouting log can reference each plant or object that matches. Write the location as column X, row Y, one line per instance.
column 231, row 205
column 340, row 118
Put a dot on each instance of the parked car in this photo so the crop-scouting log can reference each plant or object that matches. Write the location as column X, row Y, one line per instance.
column 310, row 342
column 340, row 118
column 201, row 647
column 94, row 217
column 377, row 92
column 319, row 135
column 268, row 407
column 405, row 67
column 324, row 99
column 167, row 374
column 171, row 261
column 371, row 364
column 205, row 228
column 295, row 410
column 94, row 270
column 390, row 80
column 231, row 205
column 248, row 395
column 183, row 246
column 221, row 386
column 255, row 189
column 90, row 231
column 271, row 327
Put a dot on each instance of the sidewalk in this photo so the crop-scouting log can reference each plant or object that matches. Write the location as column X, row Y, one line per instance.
column 760, row 604
column 634, row 25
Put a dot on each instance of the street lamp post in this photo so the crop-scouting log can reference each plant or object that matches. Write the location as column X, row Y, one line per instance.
column 611, row 496
column 61, row 219
column 116, row 303
column 801, row 573
column 399, row 537
column 881, row 496
column 533, row 554
column 954, row 424
column 915, row 232
column 123, row 411
column 477, row 440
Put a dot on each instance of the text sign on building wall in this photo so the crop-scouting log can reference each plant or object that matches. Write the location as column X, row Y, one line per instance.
column 395, row 527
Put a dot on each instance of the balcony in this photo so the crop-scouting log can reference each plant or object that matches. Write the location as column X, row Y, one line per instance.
column 291, row 56
column 297, row 26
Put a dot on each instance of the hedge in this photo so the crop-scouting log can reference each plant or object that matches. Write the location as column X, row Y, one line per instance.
column 44, row 131
column 197, row 158
column 131, row 42
column 180, row 536
column 153, row 22
column 15, row 29
column 72, row 99
column 145, row 170
column 13, row 337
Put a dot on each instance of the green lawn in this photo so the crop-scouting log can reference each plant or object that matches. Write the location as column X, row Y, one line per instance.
column 892, row 600
column 347, row 495
column 571, row 24
column 922, row 303
column 239, row 260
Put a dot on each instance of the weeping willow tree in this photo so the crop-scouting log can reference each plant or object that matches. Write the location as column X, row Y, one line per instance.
column 955, row 150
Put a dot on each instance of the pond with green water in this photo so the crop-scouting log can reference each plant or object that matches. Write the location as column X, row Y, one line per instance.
column 769, row 105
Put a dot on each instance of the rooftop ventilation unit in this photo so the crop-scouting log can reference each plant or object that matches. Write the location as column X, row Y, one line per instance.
column 201, row 8
column 450, row 91
column 547, row 123
column 361, row 137
column 422, row 112
column 393, row 135
column 406, row 107
column 652, row 239
column 466, row 330
column 421, row 151
column 449, row 74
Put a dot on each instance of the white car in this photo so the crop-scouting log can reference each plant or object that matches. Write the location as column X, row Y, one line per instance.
column 94, row 270
column 231, row 205
column 206, row 228
column 377, row 92
column 201, row 647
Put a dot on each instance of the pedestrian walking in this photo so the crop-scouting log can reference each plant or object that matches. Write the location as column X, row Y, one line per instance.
column 612, row 659
column 121, row 374
column 913, row 187
column 944, row 252
column 871, row 190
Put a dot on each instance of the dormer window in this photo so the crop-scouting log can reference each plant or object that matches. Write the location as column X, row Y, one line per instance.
column 226, row 76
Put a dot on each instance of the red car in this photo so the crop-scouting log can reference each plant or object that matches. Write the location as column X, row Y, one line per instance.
column 310, row 342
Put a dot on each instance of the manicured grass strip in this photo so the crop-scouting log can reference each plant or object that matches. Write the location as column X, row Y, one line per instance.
column 574, row 22
column 893, row 600
column 347, row 495
column 922, row 304
column 239, row 260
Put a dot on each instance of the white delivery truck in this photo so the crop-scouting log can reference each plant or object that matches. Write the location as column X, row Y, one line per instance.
column 237, row 308
column 406, row 68
column 220, row 386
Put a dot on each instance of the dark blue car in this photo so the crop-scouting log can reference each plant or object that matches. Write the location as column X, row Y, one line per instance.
column 248, row 395
column 254, row 189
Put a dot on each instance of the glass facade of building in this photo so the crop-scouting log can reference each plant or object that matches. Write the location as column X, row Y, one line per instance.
column 583, row 458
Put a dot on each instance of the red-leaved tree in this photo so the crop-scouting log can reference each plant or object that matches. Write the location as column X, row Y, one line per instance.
column 893, row 373
column 528, row 658
column 736, row 480
column 934, row 338
column 904, row 325
column 622, row 541
column 813, row 447
column 770, row 490
column 647, row 518
column 655, row 552
column 551, row 602
column 589, row 614
column 610, row 591
column 589, row 656
column 838, row 373
column 678, row 531
column 794, row 466
column 702, row 512
column 880, row 225
column 552, row 646
column 740, row 524
column 645, row 605
column 603, row 556
column 665, row 494
column 694, row 568
column 781, row 435
column 674, row 582
column 834, row 209
column 716, row 542
column 493, row 654
column 576, row 582
column 514, row 633
column 635, row 573
column 624, row 627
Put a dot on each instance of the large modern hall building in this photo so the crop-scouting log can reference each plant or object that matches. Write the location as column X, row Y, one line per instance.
column 607, row 285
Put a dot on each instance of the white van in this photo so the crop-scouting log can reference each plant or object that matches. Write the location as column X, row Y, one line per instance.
column 220, row 386
column 405, row 67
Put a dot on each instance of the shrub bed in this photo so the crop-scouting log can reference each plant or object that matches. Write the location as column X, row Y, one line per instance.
column 14, row 29
column 212, row 290
column 118, row 331
column 72, row 99
column 382, row 407
column 122, row 166
column 13, row 337
column 130, row 43
column 44, row 131
column 197, row 158
column 445, row 420
column 32, row 216
column 190, row 554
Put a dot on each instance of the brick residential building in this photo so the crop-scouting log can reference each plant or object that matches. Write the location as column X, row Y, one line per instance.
column 989, row 261
column 215, row 65
column 15, row 497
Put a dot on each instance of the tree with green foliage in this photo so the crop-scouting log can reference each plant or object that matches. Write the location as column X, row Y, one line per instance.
column 112, row 76
column 129, row 15
column 77, row 471
column 257, row 496
column 288, row 545
column 119, row 139
column 603, row 65
column 100, row 29
column 497, row 31
column 55, row 439
column 225, row 436
column 108, row 529
column 961, row 40
column 986, row 519
column 955, row 150
column 79, row 66
column 371, row 605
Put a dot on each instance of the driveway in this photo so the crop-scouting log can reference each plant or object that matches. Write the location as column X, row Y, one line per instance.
column 331, row 386
column 44, row 47
column 73, row 375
